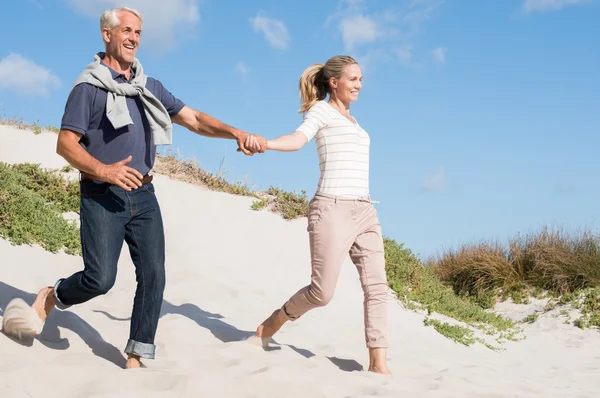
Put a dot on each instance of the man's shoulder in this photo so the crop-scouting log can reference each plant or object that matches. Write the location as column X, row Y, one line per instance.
column 84, row 86
column 153, row 82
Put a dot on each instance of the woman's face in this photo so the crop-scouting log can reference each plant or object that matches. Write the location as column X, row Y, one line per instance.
column 347, row 87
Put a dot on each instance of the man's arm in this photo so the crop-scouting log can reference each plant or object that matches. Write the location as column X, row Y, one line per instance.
column 207, row 126
column 118, row 173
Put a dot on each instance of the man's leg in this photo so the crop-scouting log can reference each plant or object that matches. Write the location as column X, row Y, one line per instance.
column 103, row 213
column 145, row 237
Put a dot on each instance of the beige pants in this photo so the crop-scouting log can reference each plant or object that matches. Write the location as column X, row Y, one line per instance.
column 338, row 227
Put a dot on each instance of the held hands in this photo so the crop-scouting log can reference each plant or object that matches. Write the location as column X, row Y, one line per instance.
column 251, row 144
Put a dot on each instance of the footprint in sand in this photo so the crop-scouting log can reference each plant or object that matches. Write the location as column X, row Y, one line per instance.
column 259, row 371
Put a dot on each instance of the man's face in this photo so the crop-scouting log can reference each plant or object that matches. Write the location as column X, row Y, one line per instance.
column 122, row 42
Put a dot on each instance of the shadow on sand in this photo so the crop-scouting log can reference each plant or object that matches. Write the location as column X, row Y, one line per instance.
column 50, row 337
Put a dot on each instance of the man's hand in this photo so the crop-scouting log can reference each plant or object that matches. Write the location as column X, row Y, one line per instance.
column 120, row 174
column 241, row 139
column 254, row 143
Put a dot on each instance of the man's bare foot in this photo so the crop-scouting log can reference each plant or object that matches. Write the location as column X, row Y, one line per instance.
column 271, row 325
column 133, row 362
column 378, row 361
column 44, row 302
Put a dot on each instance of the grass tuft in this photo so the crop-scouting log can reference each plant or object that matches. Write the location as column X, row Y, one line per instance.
column 22, row 125
column 547, row 260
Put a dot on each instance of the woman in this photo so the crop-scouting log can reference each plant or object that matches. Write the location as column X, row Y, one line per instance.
column 341, row 216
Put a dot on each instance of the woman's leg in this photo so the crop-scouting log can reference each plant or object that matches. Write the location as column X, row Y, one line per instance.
column 331, row 232
column 367, row 253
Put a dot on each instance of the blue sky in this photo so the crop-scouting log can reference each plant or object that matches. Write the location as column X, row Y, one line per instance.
column 484, row 116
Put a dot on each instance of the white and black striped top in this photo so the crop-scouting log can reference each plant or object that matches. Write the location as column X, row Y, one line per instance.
column 343, row 149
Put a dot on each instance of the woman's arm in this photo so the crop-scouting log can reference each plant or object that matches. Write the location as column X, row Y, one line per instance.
column 285, row 143
column 288, row 143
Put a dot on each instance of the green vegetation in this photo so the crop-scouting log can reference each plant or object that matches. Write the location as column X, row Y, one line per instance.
column 457, row 333
column 289, row 205
column 419, row 287
column 32, row 202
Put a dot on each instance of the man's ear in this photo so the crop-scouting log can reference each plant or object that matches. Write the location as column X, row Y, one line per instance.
column 106, row 35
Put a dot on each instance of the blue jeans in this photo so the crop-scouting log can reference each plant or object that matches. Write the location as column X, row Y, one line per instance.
column 109, row 215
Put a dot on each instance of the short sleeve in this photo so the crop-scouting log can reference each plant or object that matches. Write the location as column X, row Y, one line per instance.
column 78, row 109
column 169, row 101
column 314, row 120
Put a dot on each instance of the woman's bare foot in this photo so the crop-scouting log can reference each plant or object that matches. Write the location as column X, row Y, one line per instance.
column 44, row 302
column 378, row 361
column 133, row 362
column 271, row 325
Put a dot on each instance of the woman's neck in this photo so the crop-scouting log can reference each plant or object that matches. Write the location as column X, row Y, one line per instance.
column 343, row 108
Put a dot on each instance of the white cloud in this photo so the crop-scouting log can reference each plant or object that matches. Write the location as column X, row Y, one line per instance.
column 242, row 68
column 26, row 77
column 385, row 34
column 435, row 182
column 548, row 5
column 440, row 54
column 358, row 29
column 275, row 31
column 164, row 21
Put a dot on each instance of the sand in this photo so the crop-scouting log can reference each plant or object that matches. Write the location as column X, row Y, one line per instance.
column 229, row 267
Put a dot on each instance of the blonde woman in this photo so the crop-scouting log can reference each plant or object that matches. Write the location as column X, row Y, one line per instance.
column 342, row 219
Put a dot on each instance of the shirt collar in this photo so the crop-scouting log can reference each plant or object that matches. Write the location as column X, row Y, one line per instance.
column 116, row 74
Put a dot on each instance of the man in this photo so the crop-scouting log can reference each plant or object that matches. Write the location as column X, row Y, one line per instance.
column 114, row 118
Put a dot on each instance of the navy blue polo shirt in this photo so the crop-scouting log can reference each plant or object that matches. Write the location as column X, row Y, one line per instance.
column 85, row 113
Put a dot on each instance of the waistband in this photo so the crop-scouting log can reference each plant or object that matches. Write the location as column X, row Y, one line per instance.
column 365, row 198
column 90, row 177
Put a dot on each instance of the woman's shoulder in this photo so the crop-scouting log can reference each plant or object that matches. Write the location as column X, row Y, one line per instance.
column 321, row 107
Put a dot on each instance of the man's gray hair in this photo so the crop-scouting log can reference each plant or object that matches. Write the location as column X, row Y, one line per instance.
column 110, row 18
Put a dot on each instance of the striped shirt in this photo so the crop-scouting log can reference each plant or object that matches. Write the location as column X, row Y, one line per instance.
column 343, row 149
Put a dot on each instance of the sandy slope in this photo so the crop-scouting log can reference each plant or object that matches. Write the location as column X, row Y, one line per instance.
column 228, row 268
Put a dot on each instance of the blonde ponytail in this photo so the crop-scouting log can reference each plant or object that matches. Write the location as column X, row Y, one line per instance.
column 312, row 86
column 314, row 82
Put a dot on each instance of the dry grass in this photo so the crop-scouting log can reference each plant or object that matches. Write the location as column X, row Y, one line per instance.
column 550, row 259
column 289, row 205
column 22, row 125
column 190, row 171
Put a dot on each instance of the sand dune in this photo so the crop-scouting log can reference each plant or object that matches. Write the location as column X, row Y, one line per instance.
column 224, row 276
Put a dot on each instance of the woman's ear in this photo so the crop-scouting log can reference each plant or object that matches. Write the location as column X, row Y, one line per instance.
column 333, row 82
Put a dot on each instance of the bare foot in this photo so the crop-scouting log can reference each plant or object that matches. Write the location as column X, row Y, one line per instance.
column 270, row 326
column 44, row 302
column 378, row 361
column 133, row 362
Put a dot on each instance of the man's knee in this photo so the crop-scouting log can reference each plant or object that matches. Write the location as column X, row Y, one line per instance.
column 99, row 284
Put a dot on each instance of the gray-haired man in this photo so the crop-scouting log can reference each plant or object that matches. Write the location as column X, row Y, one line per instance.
column 114, row 118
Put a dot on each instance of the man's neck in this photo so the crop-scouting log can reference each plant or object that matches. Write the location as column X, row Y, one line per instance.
column 121, row 67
